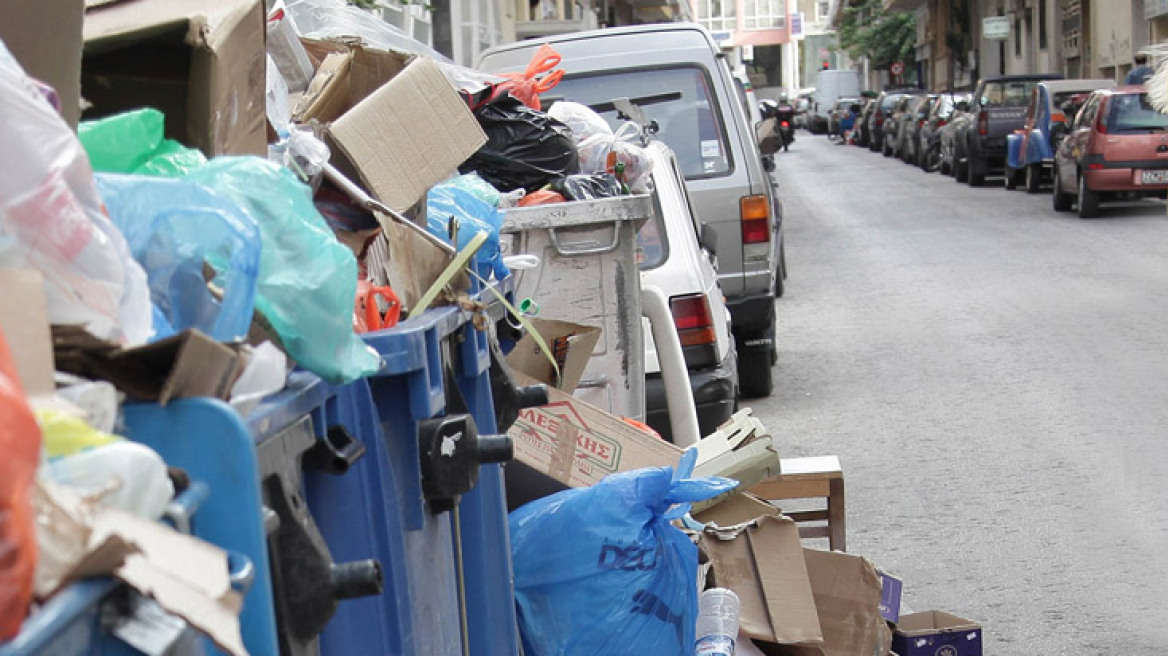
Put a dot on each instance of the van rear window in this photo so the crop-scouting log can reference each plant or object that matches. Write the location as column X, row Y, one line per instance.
column 1007, row 93
column 1131, row 112
column 679, row 99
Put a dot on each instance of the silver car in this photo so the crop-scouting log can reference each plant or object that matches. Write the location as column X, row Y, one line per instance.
column 673, row 72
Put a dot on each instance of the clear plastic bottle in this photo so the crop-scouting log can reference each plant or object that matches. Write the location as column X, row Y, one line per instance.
column 717, row 623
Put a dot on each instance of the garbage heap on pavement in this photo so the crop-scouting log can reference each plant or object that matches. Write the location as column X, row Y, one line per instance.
column 264, row 286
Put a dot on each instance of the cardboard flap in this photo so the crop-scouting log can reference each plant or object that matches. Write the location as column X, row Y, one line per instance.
column 933, row 621
column 729, row 518
column 847, row 595
column 764, row 566
column 408, row 135
column 571, row 345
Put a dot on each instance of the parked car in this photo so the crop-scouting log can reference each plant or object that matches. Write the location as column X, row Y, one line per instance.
column 1117, row 149
column 930, row 154
column 883, row 107
column 679, row 263
column 953, row 135
column 674, row 72
column 863, row 131
column 997, row 108
column 910, row 128
column 838, row 114
column 892, row 123
column 1030, row 151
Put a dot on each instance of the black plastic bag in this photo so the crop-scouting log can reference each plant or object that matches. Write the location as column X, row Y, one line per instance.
column 525, row 148
column 585, row 186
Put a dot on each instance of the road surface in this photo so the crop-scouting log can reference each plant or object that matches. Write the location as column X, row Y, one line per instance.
column 994, row 377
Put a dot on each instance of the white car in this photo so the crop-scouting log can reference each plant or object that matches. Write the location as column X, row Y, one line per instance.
column 681, row 263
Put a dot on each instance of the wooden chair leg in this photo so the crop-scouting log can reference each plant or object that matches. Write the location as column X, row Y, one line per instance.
column 837, row 514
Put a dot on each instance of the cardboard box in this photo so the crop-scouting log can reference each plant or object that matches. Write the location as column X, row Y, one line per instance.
column 571, row 345
column 201, row 62
column 890, row 591
column 395, row 120
column 45, row 37
column 570, row 443
column 762, row 561
column 934, row 633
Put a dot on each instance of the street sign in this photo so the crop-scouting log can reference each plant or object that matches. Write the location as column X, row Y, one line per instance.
column 995, row 28
column 797, row 25
column 897, row 68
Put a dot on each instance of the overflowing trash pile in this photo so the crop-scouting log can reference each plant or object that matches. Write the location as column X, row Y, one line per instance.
column 261, row 353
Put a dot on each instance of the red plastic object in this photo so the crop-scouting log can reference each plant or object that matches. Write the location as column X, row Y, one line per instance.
column 367, row 315
column 541, row 197
column 527, row 86
column 20, row 442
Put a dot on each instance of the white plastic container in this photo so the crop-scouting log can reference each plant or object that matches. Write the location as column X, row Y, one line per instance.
column 717, row 623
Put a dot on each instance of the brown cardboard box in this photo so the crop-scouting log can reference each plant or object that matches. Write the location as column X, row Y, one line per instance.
column 201, row 62
column 571, row 345
column 847, row 595
column 45, row 37
column 761, row 560
column 395, row 120
column 570, row 443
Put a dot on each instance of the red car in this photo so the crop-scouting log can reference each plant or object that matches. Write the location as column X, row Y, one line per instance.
column 1117, row 149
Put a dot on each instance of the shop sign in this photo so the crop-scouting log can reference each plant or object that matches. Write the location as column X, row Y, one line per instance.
column 995, row 28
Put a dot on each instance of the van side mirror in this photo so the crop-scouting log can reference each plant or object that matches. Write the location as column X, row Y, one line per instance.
column 766, row 135
column 709, row 238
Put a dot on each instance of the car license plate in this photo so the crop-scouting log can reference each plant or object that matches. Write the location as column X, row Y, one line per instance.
column 1154, row 177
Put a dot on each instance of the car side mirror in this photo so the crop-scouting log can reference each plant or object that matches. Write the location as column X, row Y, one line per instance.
column 709, row 238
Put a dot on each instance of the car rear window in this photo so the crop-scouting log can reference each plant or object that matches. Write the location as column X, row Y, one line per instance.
column 889, row 101
column 1007, row 93
column 679, row 99
column 1131, row 112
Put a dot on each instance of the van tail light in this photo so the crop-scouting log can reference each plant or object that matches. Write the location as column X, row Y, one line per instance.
column 983, row 123
column 786, row 124
column 755, row 213
column 1095, row 166
column 693, row 319
column 1058, row 117
column 1101, row 119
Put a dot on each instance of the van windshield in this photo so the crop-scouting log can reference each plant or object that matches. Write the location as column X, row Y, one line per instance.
column 1131, row 112
column 678, row 99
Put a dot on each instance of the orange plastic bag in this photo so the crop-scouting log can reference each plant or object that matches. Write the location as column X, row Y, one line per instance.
column 527, row 86
column 541, row 197
column 20, row 445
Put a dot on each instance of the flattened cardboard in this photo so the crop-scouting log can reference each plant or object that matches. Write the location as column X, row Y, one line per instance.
column 935, row 632
column 190, row 364
column 45, row 37
column 847, row 596
column 201, row 62
column 603, row 445
column 571, row 345
column 762, row 562
column 24, row 318
column 408, row 135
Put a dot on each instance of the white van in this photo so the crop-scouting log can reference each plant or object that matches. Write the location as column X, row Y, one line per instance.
column 830, row 86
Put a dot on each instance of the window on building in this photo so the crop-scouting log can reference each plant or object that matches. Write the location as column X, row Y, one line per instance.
column 822, row 9
column 1042, row 24
column 764, row 14
column 1017, row 37
column 716, row 15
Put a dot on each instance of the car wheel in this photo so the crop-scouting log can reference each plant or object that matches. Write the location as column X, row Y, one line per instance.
column 1088, row 200
column 754, row 371
column 1033, row 179
column 1011, row 179
column 960, row 170
column 1060, row 199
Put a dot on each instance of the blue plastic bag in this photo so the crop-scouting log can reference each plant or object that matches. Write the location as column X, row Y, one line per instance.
column 308, row 280
column 450, row 199
column 173, row 227
column 600, row 571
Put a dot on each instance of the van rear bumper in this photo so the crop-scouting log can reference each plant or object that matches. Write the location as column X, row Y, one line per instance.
column 713, row 393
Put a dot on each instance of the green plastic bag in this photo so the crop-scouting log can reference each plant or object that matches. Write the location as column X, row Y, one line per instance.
column 133, row 142
column 308, row 280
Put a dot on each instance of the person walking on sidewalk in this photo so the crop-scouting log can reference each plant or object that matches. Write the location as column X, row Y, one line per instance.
column 1141, row 72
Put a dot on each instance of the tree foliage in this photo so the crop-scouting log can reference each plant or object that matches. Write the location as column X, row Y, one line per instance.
column 867, row 30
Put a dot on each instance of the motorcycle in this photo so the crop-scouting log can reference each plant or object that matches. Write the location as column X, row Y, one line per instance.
column 784, row 117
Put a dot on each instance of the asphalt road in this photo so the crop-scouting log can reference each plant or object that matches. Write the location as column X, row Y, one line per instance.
column 994, row 377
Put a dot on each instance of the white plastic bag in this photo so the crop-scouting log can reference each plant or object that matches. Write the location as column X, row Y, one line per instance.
column 618, row 154
column 580, row 119
column 266, row 373
column 51, row 219
column 134, row 475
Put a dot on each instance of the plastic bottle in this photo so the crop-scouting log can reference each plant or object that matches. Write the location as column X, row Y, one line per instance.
column 717, row 623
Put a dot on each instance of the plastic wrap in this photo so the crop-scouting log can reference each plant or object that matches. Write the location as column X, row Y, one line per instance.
column 447, row 202
column 51, row 219
column 580, row 119
column 308, row 280
column 618, row 153
column 133, row 142
column 330, row 19
column 175, row 228
column 601, row 571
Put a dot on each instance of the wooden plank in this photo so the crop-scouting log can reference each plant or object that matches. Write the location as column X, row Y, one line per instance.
column 816, row 466
column 785, row 488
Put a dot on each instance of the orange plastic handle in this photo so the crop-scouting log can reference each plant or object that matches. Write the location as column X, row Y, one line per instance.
column 373, row 318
